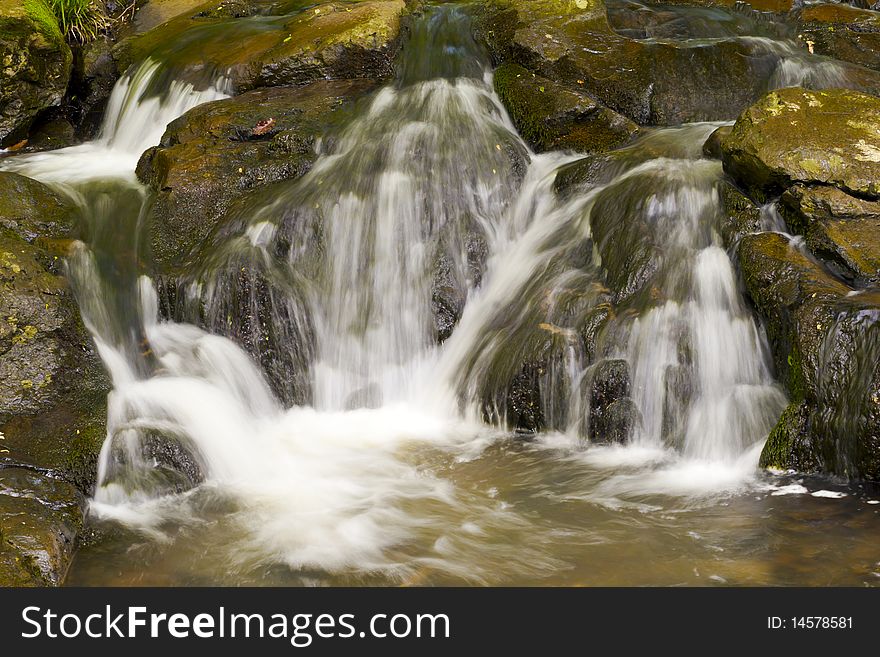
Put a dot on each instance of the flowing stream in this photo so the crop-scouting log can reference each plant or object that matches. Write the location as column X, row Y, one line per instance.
column 381, row 454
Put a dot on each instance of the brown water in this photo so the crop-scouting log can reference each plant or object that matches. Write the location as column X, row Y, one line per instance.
column 570, row 532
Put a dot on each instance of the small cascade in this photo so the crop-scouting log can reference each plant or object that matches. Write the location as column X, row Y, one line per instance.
column 137, row 113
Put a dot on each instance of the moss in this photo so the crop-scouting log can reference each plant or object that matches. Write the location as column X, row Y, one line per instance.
column 43, row 16
column 789, row 444
column 527, row 110
column 83, row 450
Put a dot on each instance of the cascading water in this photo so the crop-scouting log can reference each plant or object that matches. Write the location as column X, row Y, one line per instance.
column 416, row 268
column 137, row 114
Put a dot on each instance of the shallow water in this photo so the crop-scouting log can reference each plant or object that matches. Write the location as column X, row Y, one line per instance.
column 541, row 513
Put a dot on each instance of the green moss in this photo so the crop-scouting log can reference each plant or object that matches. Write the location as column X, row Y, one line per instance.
column 527, row 110
column 789, row 444
column 81, row 456
column 40, row 12
column 795, row 379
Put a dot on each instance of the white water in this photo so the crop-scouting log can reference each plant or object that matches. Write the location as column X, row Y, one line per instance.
column 135, row 119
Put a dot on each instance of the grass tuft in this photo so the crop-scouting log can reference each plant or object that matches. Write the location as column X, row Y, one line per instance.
column 80, row 21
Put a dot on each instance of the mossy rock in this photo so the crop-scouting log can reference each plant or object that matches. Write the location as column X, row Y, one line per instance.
column 841, row 31
column 742, row 215
column 552, row 117
column 650, row 82
column 40, row 518
column 712, row 146
column 53, row 389
column 825, row 339
column 36, row 64
column 842, row 230
column 789, row 445
column 209, row 157
column 795, row 135
column 335, row 40
column 795, row 297
column 52, row 385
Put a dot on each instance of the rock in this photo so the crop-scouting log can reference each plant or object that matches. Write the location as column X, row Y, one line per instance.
column 448, row 293
column 712, row 146
column 49, row 135
column 40, row 517
column 36, row 64
column 742, row 216
column 552, row 117
column 612, row 412
column 837, row 142
column 825, row 341
column 208, row 158
column 53, row 389
column 94, row 76
column 842, row 230
column 335, row 40
column 843, row 32
column 650, row 82
column 789, row 445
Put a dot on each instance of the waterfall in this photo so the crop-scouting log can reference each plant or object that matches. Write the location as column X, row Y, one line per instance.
column 428, row 199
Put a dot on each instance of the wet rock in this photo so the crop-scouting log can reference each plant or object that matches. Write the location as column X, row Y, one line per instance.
column 825, row 340
column 94, row 75
column 40, row 517
column 837, row 142
column 789, row 445
column 49, row 135
column 843, row 32
column 552, row 117
column 335, row 40
column 612, row 412
column 741, row 215
column 36, row 64
column 53, row 389
column 842, row 230
column 650, row 82
column 209, row 157
column 449, row 287
column 712, row 146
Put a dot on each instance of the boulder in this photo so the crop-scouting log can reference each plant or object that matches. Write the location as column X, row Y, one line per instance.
column 335, row 40
column 843, row 32
column 842, row 230
column 52, row 388
column 650, row 82
column 213, row 154
column 825, row 340
column 795, row 135
column 36, row 64
column 550, row 116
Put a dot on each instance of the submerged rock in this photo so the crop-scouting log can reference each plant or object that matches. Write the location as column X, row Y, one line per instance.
column 210, row 157
column 53, row 388
column 36, row 64
column 836, row 142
